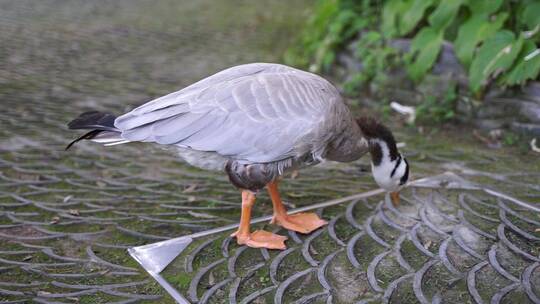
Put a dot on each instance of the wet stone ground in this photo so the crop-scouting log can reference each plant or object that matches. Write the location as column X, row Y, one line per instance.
column 442, row 246
column 67, row 218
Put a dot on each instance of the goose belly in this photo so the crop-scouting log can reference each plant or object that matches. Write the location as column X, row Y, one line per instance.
column 203, row 159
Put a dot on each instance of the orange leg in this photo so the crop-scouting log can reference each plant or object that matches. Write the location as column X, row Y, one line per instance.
column 300, row 222
column 259, row 238
column 395, row 198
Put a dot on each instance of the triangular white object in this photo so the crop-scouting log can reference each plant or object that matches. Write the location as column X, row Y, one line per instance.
column 155, row 257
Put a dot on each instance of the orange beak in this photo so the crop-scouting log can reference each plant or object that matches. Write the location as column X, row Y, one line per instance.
column 395, row 198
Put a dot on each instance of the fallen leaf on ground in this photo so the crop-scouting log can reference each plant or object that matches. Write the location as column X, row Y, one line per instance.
column 201, row 215
column 27, row 258
column 295, row 195
column 190, row 188
column 533, row 146
column 44, row 293
column 55, row 220
column 211, row 279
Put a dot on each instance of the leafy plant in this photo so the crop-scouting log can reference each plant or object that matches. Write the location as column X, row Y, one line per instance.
column 437, row 111
column 527, row 66
column 495, row 40
column 497, row 54
column 475, row 30
column 333, row 23
column 487, row 23
column 510, row 139
column 425, row 48
column 374, row 63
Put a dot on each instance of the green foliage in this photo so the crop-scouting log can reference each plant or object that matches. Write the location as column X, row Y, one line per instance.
column 373, row 62
column 333, row 23
column 491, row 38
column 527, row 66
column 530, row 14
column 425, row 48
column 444, row 14
column 314, row 41
column 389, row 25
column 475, row 30
column 510, row 139
column 497, row 54
column 496, row 41
column 437, row 111
column 412, row 14
column 478, row 22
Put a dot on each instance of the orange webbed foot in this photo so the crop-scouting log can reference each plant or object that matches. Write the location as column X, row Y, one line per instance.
column 261, row 239
column 300, row 222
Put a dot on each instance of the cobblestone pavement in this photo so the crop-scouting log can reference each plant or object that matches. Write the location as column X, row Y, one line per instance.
column 67, row 218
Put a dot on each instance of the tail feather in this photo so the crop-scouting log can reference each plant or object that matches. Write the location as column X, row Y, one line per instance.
column 102, row 128
column 109, row 138
column 94, row 120
column 88, row 135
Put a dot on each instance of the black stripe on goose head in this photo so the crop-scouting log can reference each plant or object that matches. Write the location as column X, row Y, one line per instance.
column 405, row 176
column 372, row 129
column 396, row 166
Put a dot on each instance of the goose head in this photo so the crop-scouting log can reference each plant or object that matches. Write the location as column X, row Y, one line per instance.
column 388, row 166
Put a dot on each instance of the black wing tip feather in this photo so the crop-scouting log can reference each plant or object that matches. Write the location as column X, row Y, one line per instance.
column 88, row 135
column 96, row 121
column 93, row 120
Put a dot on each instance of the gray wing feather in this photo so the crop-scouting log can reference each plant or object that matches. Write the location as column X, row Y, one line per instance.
column 255, row 112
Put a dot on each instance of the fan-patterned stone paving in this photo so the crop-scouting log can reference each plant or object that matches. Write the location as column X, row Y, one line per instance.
column 67, row 218
column 438, row 246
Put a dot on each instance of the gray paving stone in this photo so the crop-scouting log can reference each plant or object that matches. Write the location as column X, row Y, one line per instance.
column 68, row 218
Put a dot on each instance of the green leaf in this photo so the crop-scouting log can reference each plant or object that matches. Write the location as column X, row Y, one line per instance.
column 390, row 12
column 327, row 60
column 475, row 30
column 444, row 14
column 524, row 69
column 425, row 48
column 486, row 7
column 413, row 15
column 498, row 53
column 371, row 37
column 349, row 25
column 531, row 15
